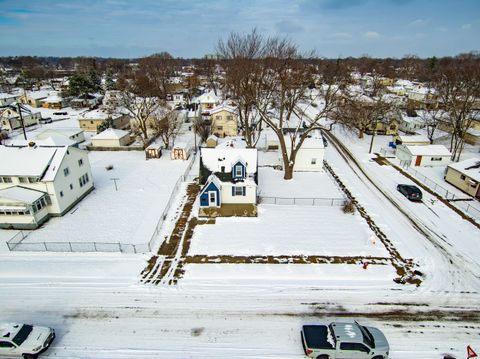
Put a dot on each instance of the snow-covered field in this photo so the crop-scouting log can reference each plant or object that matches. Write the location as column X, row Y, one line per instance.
column 127, row 214
column 288, row 230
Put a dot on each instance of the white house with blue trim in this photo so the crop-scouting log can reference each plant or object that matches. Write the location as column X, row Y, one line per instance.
column 228, row 174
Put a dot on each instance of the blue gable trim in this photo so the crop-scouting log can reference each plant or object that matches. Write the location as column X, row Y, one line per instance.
column 204, row 200
column 234, row 170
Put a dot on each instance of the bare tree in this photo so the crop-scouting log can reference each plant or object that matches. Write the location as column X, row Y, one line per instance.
column 458, row 88
column 165, row 124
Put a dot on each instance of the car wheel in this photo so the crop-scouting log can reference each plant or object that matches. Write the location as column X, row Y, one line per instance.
column 30, row 356
column 323, row 357
column 378, row 357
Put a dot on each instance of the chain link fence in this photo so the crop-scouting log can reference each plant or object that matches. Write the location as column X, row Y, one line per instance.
column 297, row 201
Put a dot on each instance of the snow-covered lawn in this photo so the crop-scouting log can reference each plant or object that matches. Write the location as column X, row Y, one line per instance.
column 303, row 185
column 126, row 215
column 288, row 230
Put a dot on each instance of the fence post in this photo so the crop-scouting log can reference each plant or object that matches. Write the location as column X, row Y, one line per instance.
column 332, row 203
column 45, row 245
column 70, row 244
column 120, row 247
column 446, row 195
column 95, row 246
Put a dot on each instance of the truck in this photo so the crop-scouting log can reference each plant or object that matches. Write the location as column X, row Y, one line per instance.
column 344, row 340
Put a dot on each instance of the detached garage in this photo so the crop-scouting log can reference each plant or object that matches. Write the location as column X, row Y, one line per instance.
column 111, row 138
column 424, row 156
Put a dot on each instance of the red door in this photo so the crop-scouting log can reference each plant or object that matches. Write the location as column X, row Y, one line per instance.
column 418, row 160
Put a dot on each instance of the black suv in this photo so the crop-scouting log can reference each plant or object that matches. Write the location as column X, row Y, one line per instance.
column 413, row 193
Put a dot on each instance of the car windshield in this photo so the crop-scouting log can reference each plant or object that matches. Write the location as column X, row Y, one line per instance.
column 22, row 334
column 367, row 337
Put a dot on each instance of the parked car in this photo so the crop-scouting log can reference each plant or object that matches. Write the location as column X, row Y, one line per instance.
column 24, row 340
column 45, row 120
column 413, row 193
column 344, row 340
column 60, row 113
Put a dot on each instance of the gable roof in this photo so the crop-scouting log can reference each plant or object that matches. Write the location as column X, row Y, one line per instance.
column 25, row 161
column 224, row 155
column 223, row 107
column 21, row 194
column 111, row 134
column 428, row 150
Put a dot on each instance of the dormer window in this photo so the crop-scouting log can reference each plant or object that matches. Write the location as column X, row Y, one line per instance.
column 238, row 171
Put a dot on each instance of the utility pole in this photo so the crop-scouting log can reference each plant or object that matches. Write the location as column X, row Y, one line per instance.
column 21, row 120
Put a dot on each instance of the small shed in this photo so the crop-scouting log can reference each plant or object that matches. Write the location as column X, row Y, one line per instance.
column 111, row 138
column 416, row 140
column 425, row 156
column 180, row 151
column 153, row 151
column 212, row 141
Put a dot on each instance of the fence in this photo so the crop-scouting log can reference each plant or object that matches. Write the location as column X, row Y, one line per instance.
column 460, row 203
column 16, row 243
column 302, row 201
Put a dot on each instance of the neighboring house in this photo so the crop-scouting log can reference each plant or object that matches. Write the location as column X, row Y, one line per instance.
column 53, row 101
column 75, row 135
column 35, row 98
column 89, row 121
column 206, row 101
column 176, row 99
column 89, row 100
column 224, row 121
column 415, row 140
column 52, row 138
column 388, row 127
column 228, row 175
column 10, row 118
column 7, row 99
column 309, row 157
column 410, row 124
column 425, row 156
column 111, row 138
column 39, row 182
column 465, row 176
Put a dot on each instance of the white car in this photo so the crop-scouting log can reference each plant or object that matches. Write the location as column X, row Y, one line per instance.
column 23, row 340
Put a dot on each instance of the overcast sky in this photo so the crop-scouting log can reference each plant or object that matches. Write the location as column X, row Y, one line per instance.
column 188, row 28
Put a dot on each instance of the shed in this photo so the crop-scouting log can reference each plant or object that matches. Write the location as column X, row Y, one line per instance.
column 180, row 151
column 417, row 140
column 111, row 138
column 212, row 141
column 425, row 156
column 153, row 151
column 465, row 175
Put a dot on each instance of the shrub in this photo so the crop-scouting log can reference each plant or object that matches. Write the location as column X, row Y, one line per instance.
column 349, row 206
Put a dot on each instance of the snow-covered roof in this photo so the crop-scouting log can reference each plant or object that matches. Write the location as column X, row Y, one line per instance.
column 7, row 95
column 61, row 132
column 413, row 138
column 473, row 173
column 207, row 97
column 53, row 98
column 428, row 150
column 111, row 134
column 315, row 140
column 224, row 155
column 38, row 95
column 223, row 107
column 21, row 194
column 98, row 115
column 50, row 140
column 25, row 161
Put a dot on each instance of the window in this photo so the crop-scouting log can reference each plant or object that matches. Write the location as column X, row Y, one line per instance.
column 66, row 171
column 435, row 158
column 23, row 179
column 393, row 127
column 61, row 193
column 238, row 191
column 6, row 345
column 5, row 179
column 71, row 186
column 213, row 196
column 32, row 179
column 462, row 177
column 218, row 117
column 80, row 162
column 314, row 161
column 219, row 128
column 222, row 169
column 238, row 171
column 354, row 346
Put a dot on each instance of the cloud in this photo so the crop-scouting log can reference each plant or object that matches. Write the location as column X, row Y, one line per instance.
column 466, row 27
column 288, row 27
column 417, row 22
column 371, row 35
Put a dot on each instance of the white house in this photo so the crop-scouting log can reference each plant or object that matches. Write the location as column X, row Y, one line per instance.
column 409, row 124
column 111, row 138
column 206, row 101
column 310, row 155
column 39, row 182
column 228, row 174
column 51, row 138
column 10, row 117
column 415, row 140
column 425, row 156
column 7, row 99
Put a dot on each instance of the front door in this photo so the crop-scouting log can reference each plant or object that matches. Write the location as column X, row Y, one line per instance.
column 212, row 199
column 177, row 153
column 418, row 161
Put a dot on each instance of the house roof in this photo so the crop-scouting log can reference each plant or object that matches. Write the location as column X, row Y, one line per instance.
column 25, row 161
column 50, row 140
column 60, row 132
column 111, row 134
column 315, row 140
column 207, row 97
column 98, row 115
column 226, row 156
column 473, row 173
column 428, row 150
column 38, row 95
column 414, row 138
column 21, row 194
column 53, row 98
column 223, row 107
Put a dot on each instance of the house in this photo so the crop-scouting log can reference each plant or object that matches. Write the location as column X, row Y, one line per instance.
column 88, row 100
column 176, row 99
column 224, row 121
column 7, row 99
column 34, row 98
column 465, row 176
column 52, row 138
column 75, row 135
column 414, row 140
column 410, row 125
column 90, row 120
column 228, row 175
column 389, row 126
column 425, row 156
column 39, row 182
column 53, row 101
column 10, row 117
column 309, row 157
column 111, row 138
column 206, row 102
